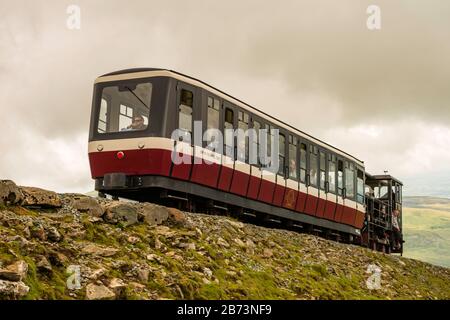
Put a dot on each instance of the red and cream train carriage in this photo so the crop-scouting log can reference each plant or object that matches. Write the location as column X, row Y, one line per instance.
column 135, row 113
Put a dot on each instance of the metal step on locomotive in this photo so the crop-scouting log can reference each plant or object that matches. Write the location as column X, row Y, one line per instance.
column 315, row 187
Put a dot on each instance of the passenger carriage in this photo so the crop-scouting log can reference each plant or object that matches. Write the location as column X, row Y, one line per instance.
column 317, row 187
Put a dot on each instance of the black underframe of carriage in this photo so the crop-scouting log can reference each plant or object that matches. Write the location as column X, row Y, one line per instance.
column 133, row 184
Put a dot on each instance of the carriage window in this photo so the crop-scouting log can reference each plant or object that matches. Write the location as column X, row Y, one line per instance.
column 303, row 162
column 125, row 107
column 360, row 187
column 243, row 143
column 228, row 138
column 292, row 157
column 185, row 111
column 281, row 154
column 322, row 170
column 332, row 174
column 313, row 175
column 266, row 150
column 125, row 116
column 349, row 181
column 255, row 142
column 340, row 177
column 213, row 118
column 102, row 119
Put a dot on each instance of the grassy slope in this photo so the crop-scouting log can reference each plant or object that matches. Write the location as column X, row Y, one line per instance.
column 297, row 266
column 427, row 229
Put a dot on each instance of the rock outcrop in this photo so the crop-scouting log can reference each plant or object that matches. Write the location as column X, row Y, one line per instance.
column 11, row 276
column 15, row 271
column 69, row 246
column 40, row 197
column 10, row 194
column 123, row 213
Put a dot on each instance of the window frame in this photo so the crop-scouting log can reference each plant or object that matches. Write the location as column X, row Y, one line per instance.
column 179, row 93
column 351, row 167
column 360, row 196
column 340, row 191
column 331, row 158
column 293, row 141
column 281, row 166
column 206, row 114
column 227, row 105
column 261, row 122
column 313, row 149
column 247, row 141
column 114, row 112
column 322, row 170
column 301, row 143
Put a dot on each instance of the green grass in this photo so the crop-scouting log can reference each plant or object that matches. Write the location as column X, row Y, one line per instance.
column 427, row 230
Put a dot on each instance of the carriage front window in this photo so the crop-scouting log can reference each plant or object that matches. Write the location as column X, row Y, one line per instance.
column 125, row 107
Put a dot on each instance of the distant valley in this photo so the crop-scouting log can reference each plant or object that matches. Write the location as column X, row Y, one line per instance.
column 426, row 223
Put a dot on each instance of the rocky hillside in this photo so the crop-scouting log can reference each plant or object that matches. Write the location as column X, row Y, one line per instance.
column 70, row 246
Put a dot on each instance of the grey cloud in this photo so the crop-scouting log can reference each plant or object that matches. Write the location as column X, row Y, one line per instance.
column 314, row 64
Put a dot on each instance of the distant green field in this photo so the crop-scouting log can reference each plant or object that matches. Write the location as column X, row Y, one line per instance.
column 426, row 225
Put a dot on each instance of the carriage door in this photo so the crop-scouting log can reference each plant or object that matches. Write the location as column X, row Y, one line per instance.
column 340, row 191
column 229, row 121
column 331, row 187
column 186, row 110
column 322, row 198
column 208, row 154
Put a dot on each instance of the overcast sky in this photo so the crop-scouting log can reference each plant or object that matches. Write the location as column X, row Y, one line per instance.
column 381, row 95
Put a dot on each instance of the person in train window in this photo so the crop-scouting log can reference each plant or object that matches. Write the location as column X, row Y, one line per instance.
column 292, row 169
column 137, row 124
column 313, row 177
column 396, row 228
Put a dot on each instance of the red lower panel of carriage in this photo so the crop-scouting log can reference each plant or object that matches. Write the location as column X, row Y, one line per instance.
column 278, row 195
column 253, row 187
column 339, row 211
column 330, row 208
column 266, row 191
column 311, row 204
column 133, row 162
column 239, row 184
column 182, row 171
column 290, row 198
column 359, row 221
column 226, row 175
column 348, row 216
column 206, row 174
column 320, row 207
column 301, row 202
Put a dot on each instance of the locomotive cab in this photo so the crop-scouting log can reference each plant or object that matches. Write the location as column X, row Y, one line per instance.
column 383, row 196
